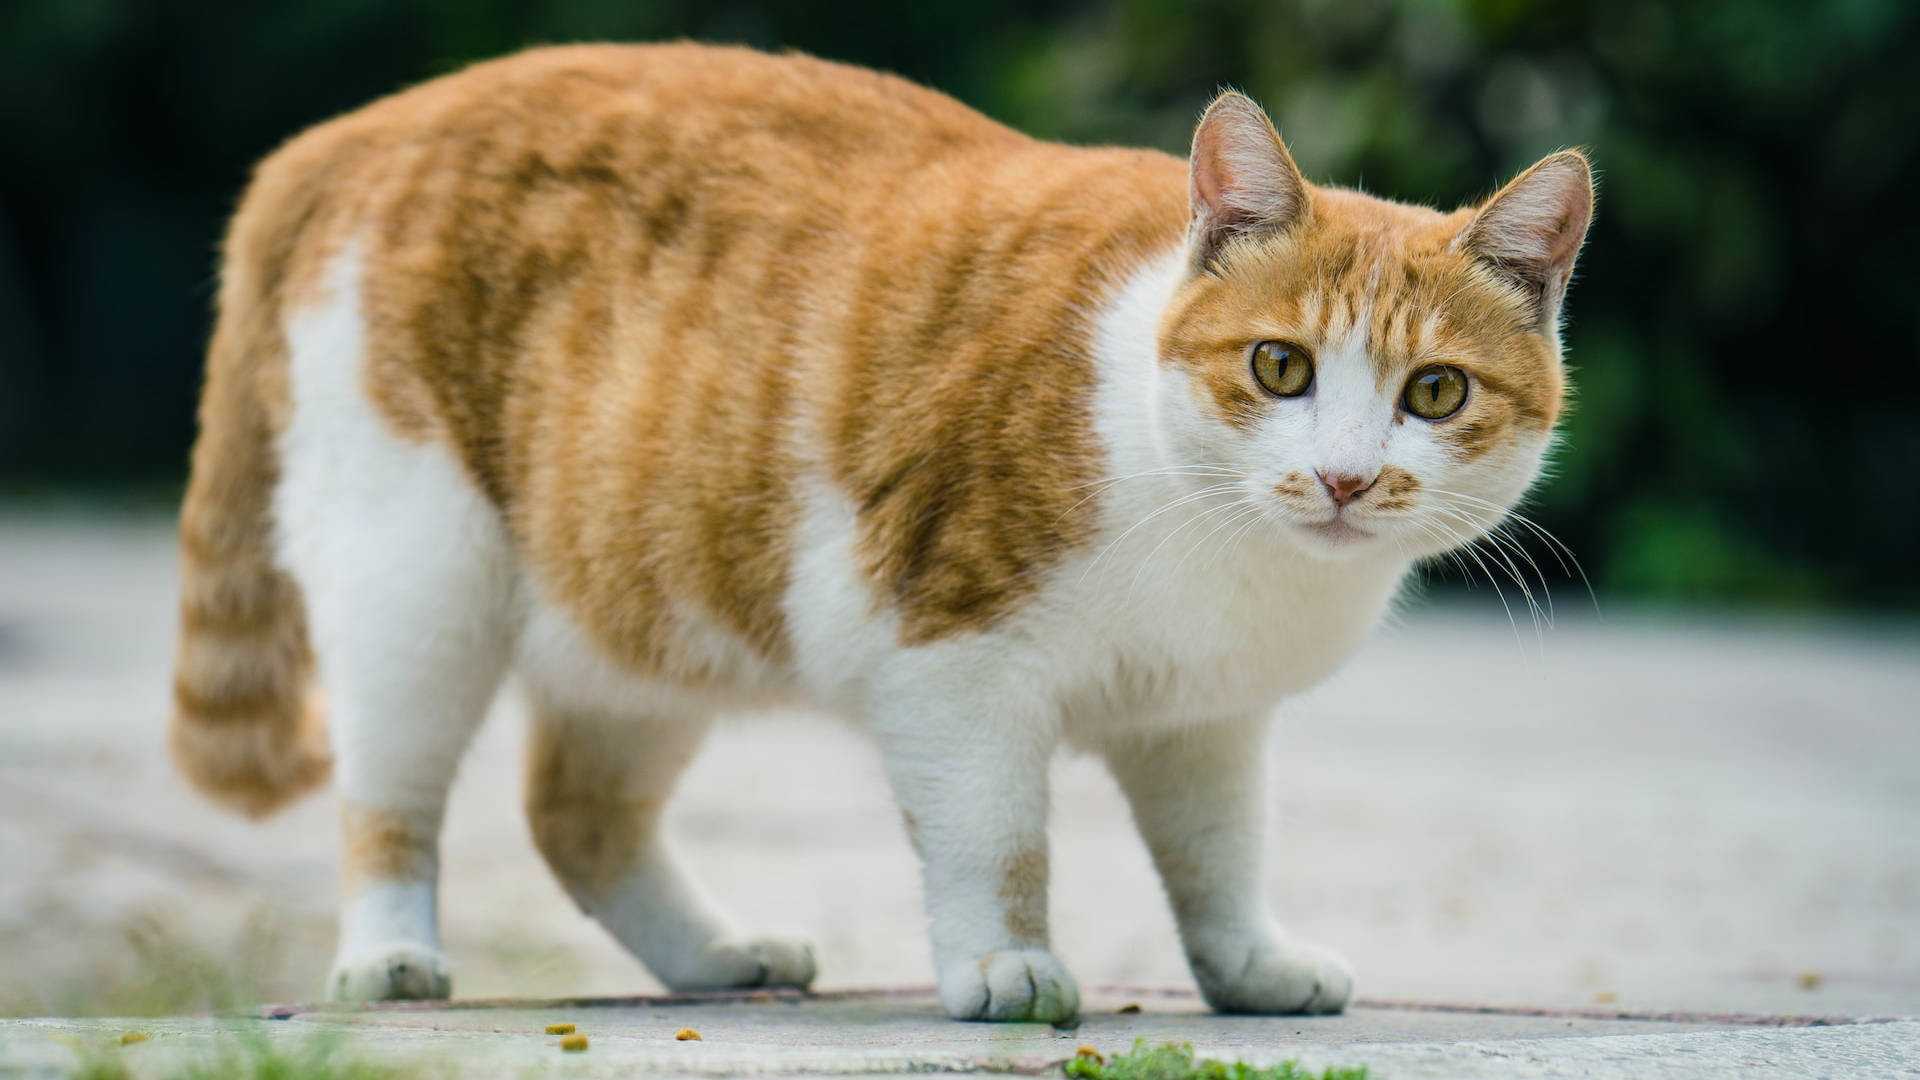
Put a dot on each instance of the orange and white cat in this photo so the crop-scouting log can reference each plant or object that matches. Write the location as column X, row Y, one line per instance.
column 678, row 379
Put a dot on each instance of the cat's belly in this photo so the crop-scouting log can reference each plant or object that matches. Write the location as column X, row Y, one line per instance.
column 698, row 668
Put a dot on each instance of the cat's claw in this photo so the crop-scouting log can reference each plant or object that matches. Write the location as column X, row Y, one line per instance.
column 393, row 973
column 1014, row 984
column 1273, row 976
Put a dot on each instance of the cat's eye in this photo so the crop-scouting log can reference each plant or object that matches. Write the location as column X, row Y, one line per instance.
column 1436, row 392
column 1282, row 368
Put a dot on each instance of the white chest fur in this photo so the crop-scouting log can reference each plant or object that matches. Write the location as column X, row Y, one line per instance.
column 1191, row 606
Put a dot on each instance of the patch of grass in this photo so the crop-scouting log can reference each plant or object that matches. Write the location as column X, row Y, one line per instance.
column 154, row 964
column 252, row 1056
column 1172, row 1061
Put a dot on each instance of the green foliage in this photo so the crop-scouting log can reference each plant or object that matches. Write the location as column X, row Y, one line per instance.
column 1171, row 1061
column 248, row 1055
column 257, row 1058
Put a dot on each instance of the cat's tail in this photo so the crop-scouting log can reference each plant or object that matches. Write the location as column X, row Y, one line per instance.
column 247, row 728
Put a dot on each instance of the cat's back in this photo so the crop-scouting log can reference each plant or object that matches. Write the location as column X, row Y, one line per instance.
column 689, row 103
column 650, row 128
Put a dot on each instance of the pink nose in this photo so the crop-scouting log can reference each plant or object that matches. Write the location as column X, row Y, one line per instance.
column 1346, row 487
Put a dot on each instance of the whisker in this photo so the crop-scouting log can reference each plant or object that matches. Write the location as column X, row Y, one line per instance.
column 1203, row 493
column 1467, row 548
column 1562, row 553
column 1102, row 486
column 1163, row 470
column 1176, row 531
column 1233, row 542
column 1449, row 544
column 1500, row 551
column 1246, row 507
column 1497, row 534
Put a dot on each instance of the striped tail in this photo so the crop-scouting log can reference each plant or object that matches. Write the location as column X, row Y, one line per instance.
column 247, row 730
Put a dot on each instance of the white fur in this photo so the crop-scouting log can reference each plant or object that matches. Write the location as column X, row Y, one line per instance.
column 407, row 582
column 390, row 944
column 1163, row 645
column 387, row 911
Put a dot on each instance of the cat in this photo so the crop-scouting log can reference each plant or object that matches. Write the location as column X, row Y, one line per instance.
column 679, row 379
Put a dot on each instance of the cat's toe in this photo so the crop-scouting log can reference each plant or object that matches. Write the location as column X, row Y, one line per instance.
column 783, row 961
column 740, row 964
column 401, row 972
column 1273, row 976
column 1014, row 984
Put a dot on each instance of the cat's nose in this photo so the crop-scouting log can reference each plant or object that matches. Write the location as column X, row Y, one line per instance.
column 1345, row 487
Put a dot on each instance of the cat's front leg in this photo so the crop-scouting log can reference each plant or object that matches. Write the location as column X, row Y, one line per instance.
column 1198, row 796
column 969, row 767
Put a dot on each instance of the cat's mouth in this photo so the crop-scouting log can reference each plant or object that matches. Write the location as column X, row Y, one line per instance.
column 1337, row 530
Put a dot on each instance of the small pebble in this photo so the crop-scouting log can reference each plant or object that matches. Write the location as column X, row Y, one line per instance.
column 687, row 1035
column 573, row 1044
column 1129, row 1008
column 1810, row 980
column 128, row 1038
column 560, row 1029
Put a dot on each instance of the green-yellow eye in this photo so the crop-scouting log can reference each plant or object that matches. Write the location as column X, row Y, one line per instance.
column 1436, row 392
column 1282, row 368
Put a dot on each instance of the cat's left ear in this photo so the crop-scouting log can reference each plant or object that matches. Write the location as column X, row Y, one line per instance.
column 1531, row 230
column 1241, row 180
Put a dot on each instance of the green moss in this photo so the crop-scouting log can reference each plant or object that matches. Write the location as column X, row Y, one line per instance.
column 1177, row 1062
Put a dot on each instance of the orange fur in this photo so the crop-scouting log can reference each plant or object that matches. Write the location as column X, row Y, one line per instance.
column 380, row 845
column 1023, row 887
column 586, row 824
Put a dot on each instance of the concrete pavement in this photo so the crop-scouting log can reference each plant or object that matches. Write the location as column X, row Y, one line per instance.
column 875, row 1033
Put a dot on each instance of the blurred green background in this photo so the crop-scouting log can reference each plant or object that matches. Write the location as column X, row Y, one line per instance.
column 1744, row 329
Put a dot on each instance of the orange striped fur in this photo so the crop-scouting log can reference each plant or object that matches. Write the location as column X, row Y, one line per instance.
column 643, row 296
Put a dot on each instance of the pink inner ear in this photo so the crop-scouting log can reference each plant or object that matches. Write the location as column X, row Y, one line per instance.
column 1538, row 222
column 1242, row 175
column 1211, row 176
column 1204, row 184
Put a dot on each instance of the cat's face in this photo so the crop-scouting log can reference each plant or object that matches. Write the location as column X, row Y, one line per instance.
column 1377, row 377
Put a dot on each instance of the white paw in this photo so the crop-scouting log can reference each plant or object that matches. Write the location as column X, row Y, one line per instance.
column 1014, row 984
column 1260, row 974
column 390, row 973
column 730, row 965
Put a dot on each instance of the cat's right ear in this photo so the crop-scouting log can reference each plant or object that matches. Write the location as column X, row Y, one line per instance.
column 1241, row 180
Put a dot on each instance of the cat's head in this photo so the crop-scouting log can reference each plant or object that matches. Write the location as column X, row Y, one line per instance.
column 1382, row 377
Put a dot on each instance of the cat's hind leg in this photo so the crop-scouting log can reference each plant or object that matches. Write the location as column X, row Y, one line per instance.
column 411, row 625
column 595, row 790
column 408, row 581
